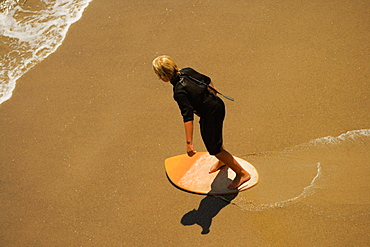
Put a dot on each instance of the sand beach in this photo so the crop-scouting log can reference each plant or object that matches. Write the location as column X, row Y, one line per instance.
column 87, row 129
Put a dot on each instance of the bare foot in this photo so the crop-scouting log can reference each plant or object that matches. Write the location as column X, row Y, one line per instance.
column 239, row 180
column 217, row 166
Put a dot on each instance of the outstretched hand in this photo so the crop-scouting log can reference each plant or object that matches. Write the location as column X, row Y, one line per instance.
column 190, row 150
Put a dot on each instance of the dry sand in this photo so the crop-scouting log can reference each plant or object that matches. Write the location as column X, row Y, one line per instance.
column 86, row 133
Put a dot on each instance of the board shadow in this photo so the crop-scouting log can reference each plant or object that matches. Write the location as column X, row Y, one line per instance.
column 208, row 208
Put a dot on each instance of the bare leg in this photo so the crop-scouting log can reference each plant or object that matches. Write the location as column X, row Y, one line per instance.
column 242, row 175
column 217, row 166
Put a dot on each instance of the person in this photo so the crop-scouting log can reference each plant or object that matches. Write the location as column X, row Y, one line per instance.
column 193, row 95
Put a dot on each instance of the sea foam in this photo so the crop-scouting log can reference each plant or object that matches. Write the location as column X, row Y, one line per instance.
column 29, row 34
column 325, row 158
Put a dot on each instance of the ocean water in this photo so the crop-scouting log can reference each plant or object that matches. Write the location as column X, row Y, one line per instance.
column 332, row 172
column 29, row 32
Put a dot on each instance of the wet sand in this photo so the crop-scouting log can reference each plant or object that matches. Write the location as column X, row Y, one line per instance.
column 86, row 132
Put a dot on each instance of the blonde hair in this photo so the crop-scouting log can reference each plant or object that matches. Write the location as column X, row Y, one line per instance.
column 165, row 66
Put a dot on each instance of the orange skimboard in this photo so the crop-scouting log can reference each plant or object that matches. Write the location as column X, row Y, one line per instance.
column 192, row 174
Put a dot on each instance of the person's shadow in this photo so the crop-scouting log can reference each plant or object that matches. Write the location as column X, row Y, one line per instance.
column 209, row 207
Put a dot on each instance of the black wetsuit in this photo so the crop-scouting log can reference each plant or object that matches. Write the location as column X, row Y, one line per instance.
column 195, row 97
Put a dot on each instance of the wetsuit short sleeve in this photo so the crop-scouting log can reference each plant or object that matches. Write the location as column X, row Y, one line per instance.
column 185, row 99
column 182, row 100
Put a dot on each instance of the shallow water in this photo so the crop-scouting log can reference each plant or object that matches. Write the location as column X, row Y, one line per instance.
column 332, row 171
column 31, row 32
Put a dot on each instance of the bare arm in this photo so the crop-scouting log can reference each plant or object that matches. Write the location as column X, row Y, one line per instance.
column 189, row 138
